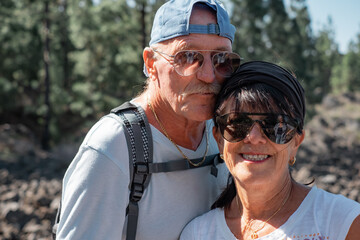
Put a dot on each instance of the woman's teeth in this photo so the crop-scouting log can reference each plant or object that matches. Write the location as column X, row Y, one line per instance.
column 255, row 157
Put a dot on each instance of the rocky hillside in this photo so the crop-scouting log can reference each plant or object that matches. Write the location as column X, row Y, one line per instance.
column 330, row 152
column 30, row 184
column 30, row 179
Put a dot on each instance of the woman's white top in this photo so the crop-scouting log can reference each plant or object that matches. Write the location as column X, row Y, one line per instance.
column 321, row 216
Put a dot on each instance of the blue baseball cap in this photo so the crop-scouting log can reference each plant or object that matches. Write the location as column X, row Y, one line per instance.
column 172, row 20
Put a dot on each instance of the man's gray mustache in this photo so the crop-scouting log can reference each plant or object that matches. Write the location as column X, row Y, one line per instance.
column 200, row 89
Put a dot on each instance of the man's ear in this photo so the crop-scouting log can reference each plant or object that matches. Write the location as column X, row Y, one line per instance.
column 219, row 139
column 148, row 56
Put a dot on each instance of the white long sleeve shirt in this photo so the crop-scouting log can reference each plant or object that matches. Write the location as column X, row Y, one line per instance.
column 95, row 187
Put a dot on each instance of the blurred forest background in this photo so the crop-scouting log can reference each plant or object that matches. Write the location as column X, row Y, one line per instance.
column 65, row 63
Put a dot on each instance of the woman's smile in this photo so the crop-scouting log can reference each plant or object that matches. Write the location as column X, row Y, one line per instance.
column 254, row 157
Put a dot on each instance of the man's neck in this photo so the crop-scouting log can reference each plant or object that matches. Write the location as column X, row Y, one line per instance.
column 183, row 132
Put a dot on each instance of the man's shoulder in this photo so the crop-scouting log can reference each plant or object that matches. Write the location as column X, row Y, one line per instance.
column 108, row 127
column 106, row 136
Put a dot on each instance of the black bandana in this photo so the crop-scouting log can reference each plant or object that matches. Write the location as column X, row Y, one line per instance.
column 277, row 77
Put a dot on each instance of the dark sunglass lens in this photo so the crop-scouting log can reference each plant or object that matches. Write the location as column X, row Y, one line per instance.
column 188, row 62
column 234, row 128
column 278, row 128
column 226, row 63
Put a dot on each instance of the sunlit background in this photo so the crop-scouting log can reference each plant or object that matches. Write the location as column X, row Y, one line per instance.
column 66, row 63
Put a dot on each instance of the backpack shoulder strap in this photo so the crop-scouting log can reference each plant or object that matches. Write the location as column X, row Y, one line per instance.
column 140, row 148
column 138, row 136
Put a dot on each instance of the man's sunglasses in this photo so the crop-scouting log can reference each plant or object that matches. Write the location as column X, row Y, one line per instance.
column 188, row 62
column 279, row 128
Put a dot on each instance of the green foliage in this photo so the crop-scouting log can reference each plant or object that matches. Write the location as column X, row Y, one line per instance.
column 20, row 59
column 95, row 58
column 266, row 30
column 326, row 57
column 248, row 16
column 346, row 74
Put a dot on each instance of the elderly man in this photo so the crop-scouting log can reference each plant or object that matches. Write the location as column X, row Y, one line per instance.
column 189, row 57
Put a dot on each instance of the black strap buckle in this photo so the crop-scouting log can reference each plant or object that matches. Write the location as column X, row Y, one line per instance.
column 137, row 192
column 141, row 168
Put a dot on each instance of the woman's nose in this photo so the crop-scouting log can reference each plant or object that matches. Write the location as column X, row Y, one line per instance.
column 255, row 135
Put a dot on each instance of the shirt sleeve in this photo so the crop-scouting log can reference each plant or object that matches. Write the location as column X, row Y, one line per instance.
column 95, row 187
column 346, row 211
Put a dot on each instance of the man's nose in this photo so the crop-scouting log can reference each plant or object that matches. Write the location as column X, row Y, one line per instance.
column 206, row 72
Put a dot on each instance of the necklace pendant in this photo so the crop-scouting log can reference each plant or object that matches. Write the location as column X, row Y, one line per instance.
column 254, row 235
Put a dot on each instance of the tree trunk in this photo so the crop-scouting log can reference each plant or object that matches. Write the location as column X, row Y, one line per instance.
column 46, row 134
column 64, row 45
column 143, row 24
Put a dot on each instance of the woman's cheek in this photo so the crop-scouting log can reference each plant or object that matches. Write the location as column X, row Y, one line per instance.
column 229, row 155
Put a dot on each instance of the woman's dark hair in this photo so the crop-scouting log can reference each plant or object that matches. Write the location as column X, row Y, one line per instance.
column 256, row 96
column 227, row 195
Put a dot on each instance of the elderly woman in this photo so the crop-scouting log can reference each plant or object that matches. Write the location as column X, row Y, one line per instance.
column 262, row 200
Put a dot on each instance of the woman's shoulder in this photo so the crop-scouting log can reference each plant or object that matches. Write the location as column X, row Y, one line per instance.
column 207, row 218
column 326, row 205
column 338, row 211
column 209, row 224
column 334, row 207
column 337, row 200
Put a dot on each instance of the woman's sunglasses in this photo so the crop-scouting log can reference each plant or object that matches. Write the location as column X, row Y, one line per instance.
column 188, row 62
column 279, row 128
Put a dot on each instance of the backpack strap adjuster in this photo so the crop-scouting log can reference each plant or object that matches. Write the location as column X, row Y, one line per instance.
column 137, row 190
column 141, row 168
